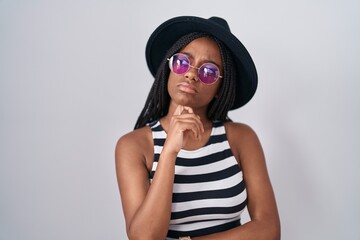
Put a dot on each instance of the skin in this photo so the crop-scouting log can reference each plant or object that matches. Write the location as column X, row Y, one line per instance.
column 188, row 127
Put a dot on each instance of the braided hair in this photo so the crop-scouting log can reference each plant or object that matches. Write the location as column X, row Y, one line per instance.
column 158, row 100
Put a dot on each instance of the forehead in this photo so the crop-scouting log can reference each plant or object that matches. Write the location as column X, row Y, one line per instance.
column 204, row 47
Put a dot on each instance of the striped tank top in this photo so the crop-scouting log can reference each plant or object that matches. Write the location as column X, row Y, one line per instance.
column 209, row 193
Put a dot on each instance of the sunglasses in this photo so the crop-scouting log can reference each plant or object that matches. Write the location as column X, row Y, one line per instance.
column 208, row 73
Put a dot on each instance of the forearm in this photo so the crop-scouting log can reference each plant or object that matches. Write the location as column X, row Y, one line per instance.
column 152, row 219
column 253, row 230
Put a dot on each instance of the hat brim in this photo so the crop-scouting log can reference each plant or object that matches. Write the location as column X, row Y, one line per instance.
column 170, row 31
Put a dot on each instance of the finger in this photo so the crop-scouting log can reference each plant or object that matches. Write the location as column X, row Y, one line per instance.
column 191, row 128
column 191, row 117
column 193, row 124
column 190, row 110
column 179, row 109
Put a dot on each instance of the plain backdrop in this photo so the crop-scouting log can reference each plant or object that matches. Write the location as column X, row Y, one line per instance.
column 73, row 79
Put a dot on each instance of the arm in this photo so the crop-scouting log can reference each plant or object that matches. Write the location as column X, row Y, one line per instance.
column 147, row 208
column 265, row 223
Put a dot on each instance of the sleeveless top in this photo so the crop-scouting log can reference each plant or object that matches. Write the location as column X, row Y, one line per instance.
column 209, row 193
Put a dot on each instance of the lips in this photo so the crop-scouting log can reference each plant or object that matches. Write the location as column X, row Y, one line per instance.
column 187, row 87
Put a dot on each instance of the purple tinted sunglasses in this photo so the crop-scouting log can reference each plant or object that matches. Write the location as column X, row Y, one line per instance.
column 208, row 73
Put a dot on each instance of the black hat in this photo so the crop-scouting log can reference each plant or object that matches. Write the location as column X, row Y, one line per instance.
column 170, row 31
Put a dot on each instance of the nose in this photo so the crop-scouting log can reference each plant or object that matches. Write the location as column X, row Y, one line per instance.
column 192, row 74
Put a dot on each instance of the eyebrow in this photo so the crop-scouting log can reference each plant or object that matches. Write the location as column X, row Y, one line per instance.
column 206, row 60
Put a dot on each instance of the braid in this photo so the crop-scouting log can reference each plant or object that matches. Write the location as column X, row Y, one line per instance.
column 158, row 100
column 220, row 106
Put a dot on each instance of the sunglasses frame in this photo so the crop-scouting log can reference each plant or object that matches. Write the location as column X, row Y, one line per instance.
column 197, row 68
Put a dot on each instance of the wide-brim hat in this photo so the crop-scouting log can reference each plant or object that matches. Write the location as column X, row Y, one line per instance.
column 164, row 36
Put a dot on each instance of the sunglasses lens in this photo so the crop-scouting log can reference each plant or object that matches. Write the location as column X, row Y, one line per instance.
column 209, row 73
column 179, row 63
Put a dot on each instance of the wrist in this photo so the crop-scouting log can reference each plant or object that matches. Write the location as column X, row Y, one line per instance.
column 169, row 152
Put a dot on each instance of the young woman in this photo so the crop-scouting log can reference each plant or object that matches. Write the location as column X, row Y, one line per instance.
column 187, row 171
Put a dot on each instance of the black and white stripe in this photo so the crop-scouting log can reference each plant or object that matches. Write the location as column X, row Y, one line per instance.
column 209, row 193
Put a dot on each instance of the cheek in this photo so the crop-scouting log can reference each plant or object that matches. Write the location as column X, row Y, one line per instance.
column 172, row 76
column 172, row 81
column 210, row 92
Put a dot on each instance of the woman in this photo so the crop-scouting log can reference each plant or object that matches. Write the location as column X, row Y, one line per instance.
column 187, row 171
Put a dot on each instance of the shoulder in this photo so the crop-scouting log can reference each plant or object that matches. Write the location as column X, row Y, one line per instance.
column 136, row 137
column 243, row 139
column 136, row 145
column 239, row 131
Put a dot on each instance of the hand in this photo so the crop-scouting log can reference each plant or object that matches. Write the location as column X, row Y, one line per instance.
column 184, row 125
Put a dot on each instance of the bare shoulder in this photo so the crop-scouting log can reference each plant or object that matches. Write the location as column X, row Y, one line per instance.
column 243, row 140
column 240, row 133
column 139, row 136
column 239, row 128
column 136, row 145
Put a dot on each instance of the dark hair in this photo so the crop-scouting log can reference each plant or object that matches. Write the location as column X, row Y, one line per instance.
column 158, row 100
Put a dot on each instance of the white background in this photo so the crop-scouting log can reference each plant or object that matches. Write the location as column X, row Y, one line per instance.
column 73, row 79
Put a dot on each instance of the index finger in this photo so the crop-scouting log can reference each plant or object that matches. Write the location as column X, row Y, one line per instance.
column 179, row 109
column 188, row 109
